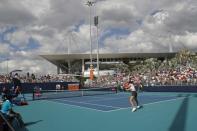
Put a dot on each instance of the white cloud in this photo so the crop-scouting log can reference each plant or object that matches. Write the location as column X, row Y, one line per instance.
column 63, row 14
column 38, row 8
column 36, row 66
column 19, row 38
column 160, row 17
column 188, row 39
column 15, row 14
column 4, row 49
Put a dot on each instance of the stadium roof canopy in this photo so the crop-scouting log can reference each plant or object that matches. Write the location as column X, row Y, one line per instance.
column 61, row 60
column 71, row 57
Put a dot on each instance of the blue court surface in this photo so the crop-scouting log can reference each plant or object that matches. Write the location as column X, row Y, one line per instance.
column 112, row 112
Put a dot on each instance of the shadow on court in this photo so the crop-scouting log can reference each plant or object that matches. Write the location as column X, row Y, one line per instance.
column 32, row 123
column 24, row 129
column 28, row 124
column 183, row 95
column 195, row 95
column 179, row 121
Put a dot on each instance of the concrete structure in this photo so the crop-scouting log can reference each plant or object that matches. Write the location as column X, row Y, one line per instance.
column 78, row 61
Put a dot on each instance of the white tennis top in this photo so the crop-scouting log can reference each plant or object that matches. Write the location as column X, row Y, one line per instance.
column 132, row 87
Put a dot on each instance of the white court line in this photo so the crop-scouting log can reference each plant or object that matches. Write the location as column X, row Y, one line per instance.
column 103, row 99
column 149, row 104
column 87, row 103
column 82, row 107
column 98, row 96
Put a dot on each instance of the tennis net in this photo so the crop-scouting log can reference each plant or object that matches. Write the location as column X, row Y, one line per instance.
column 56, row 94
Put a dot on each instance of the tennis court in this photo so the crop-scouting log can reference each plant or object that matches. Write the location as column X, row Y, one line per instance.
column 112, row 112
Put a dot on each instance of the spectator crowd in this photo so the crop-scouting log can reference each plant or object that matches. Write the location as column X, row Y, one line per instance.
column 180, row 70
column 27, row 78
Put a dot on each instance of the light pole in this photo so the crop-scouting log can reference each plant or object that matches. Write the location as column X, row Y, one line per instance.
column 90, row 4
column 68, row 51
column 7, row 66
column 97, row 36
column 170, row 44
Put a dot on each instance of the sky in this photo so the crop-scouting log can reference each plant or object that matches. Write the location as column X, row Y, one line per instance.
column 29, row 28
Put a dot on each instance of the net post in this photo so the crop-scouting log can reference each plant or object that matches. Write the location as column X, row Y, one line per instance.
column 33, row 95
column 116, row 89
column 81, row 92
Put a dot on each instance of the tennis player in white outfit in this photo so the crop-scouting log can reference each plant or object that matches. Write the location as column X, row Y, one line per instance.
column 133, row 98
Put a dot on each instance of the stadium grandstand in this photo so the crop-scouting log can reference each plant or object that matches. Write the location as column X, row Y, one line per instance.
column 151, row 68
column 79, row 61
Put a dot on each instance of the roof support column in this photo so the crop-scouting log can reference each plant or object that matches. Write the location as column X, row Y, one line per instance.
column 58, row 70
column 83, row 67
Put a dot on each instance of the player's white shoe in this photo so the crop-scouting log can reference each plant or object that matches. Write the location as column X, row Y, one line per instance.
column 134, row 109
column 138, row 107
